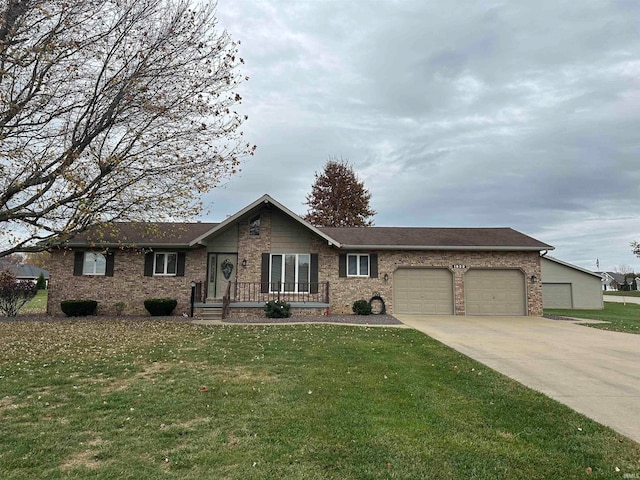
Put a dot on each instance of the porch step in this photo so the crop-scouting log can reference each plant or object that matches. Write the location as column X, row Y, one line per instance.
column 211, row 313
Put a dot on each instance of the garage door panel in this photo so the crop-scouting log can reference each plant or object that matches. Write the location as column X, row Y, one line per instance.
column 423, row 291
column 557, row 295
column 495, row 292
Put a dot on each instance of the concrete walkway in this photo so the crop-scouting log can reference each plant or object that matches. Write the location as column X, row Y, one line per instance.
column 595, row 372
column 620, row 299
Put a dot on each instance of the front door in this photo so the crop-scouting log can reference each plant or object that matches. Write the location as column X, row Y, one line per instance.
column 222, row 270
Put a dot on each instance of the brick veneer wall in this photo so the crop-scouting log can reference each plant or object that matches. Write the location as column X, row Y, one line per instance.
column 251, row 248
column 246, row 312
column 128, row 284
column 344, row 291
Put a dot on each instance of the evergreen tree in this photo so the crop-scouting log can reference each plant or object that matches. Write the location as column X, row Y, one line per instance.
column 338, row 198
column 41, row 283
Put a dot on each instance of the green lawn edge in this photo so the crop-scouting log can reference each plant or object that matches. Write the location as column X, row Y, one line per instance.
column 621, row 317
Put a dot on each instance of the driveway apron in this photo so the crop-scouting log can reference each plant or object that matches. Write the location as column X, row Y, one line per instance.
column 595, row 372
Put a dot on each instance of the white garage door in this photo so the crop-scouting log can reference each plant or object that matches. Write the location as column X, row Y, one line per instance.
column 427, row 291
column 556, row 295
column 494, row 292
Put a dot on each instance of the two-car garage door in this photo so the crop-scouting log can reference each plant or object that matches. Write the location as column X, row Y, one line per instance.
column 429, row 291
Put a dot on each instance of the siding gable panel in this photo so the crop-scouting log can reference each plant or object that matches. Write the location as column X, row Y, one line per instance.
column 288, row 236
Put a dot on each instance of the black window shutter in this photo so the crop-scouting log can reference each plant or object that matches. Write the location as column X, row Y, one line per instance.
column 180, row 266
column 78, row 262
column 314, row 273
column 148, row 264
column 264, row 274
column 342, row 265
column 110, row 264
column 373, row 265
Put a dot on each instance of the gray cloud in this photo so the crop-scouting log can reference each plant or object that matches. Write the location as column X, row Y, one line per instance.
column 462, row 114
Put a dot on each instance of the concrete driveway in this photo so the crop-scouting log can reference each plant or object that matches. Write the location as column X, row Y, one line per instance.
column 595, row 372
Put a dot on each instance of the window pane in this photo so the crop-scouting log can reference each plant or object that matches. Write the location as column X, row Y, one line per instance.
column 172, row 260
column 364, row 265
column 159, row 263
column 101, row 264
column 89, row 263
column 289, row 273
column 303, row 273
column 276, row 272
column 352, row 264
column 94, row 264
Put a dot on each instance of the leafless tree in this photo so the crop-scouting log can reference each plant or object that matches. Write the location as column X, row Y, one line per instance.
column 111, row 110
column 623, row 269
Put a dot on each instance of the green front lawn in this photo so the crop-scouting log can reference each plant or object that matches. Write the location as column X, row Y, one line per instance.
column 632, row 293
column 622, row 317
column 150, row 399
column 37, row 304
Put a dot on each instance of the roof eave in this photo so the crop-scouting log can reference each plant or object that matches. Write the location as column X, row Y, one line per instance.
column 570, row 265
column 127, row 245
column 440, row 247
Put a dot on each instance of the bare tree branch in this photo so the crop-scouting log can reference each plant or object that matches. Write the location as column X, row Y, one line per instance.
column 111, row 111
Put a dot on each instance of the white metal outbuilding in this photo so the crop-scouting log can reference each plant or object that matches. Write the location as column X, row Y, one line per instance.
column 568, row 286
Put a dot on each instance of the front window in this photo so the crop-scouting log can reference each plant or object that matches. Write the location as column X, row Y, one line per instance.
column 94, row 264
column 357, row 265
column 165, row 264
column 290, row 272
column 254, row 226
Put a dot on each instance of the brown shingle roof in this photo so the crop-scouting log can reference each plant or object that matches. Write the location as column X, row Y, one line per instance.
column 437, row 238
column 166, row 234
column 140, row 234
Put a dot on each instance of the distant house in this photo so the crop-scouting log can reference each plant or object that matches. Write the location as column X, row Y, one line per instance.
column 615, row 281
column 267, row 252
column 25, row 272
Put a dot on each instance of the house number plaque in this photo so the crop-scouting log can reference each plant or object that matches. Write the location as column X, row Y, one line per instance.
column 458, row 265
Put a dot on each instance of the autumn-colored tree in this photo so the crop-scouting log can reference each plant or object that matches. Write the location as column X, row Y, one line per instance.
column 338, row 198
column 38, row 259
column 111, row 110
column 14, row 259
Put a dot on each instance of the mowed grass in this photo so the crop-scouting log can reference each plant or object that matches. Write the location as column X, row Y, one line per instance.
column 37, row 304
column 622, row 317
column 126, row 399
column 632, row 293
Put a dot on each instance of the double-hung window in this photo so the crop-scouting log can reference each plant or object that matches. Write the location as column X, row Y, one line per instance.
column 94, row 264
column 165, row 263
column 357, row 265
column 290, row 272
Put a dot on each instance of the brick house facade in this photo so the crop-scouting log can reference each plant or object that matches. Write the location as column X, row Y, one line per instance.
column 245, row 254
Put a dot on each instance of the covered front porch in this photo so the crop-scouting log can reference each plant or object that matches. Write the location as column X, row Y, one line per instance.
column 249, row 298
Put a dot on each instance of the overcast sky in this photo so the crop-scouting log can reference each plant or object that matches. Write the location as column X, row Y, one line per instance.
column 512, row 113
